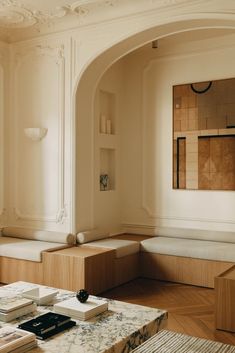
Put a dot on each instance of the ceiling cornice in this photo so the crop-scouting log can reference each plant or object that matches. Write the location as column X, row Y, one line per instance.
column 24, row 19
column 16, row 16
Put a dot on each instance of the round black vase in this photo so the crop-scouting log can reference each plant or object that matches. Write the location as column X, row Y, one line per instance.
column 82, row 295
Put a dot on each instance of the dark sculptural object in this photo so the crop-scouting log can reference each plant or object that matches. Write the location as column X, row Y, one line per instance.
column 82, row 295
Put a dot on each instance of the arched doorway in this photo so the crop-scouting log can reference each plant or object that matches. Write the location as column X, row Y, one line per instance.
column 86, row 185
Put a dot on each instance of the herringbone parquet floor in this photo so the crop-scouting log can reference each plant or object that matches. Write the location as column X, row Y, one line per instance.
column 190, row 308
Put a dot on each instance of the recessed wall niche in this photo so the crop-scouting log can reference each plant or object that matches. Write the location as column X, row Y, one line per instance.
column 107, row 113
column 107, row 169
column 204, row 135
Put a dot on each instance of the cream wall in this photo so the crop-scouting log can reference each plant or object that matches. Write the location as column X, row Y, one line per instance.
column 38, row 183
column 51, row 83
column 148, row 198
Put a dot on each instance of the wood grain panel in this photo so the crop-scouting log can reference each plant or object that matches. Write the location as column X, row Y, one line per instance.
column 224, row 300
column 127, row 268
column 80, row 267
column 63, row 271
column 12, row 270
column 182, row 269
column 99, row 272
column 134, row 237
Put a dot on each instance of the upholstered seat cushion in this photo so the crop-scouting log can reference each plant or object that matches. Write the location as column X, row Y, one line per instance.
column 122, row 247
column 200, row 249
column 26, row 249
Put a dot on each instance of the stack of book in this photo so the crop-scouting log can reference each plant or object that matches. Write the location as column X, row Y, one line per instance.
column 47, row 325
column 81, row 311
column 13, row 340
column 40, row 295
column 13, row 307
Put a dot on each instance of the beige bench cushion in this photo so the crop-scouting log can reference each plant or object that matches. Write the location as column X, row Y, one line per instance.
column 197, row 234
column 36, row 234
column 200, row 249
column 26, row 249
column 122, row 247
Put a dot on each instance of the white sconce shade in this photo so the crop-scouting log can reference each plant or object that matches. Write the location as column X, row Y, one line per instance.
column 35, row 133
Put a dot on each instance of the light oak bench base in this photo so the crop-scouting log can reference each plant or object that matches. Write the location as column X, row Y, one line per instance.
column 182, row 269
column 13, row 270
column 224, row 300
column 97, row 269
column 127, row 268
column 80, row 267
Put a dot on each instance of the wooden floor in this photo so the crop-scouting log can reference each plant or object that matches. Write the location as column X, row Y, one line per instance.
column 190, row 308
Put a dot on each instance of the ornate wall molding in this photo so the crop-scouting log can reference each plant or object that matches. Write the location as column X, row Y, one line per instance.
column 57, row 53
column 13, row 14
column 62, row 215
column 145, row 206
column 137, row 228
column 47, row 17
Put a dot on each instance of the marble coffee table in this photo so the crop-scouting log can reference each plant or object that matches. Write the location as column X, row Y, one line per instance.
column 119, row 330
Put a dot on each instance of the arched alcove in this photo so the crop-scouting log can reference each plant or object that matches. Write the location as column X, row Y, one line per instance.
column 87, row 182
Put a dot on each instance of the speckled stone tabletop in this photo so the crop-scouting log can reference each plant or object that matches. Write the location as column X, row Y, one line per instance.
column 118, row 330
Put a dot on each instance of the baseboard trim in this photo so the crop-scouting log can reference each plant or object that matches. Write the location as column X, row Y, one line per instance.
column 139, row 229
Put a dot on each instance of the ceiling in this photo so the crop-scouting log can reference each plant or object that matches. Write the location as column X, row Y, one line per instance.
column 28, row 18
column 21, row 19
column 25, row 13
column 21, row 14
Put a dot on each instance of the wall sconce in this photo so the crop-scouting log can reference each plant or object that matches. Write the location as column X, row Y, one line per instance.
column 35, row 133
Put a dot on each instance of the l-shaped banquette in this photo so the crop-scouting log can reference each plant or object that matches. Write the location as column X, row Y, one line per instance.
column 182, row 255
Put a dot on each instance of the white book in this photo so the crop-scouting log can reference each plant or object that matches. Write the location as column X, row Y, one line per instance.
column 8, row 304
column 6, row 317
column 26, row 347
column 81, row 311
column 11, row 338
column 40, row 295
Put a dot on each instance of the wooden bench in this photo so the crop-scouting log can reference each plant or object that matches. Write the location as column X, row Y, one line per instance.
column 22, row 252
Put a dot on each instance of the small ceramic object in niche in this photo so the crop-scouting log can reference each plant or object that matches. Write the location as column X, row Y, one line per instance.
column 104, row 179
column 82, row 295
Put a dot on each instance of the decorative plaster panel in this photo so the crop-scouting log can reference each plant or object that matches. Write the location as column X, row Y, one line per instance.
column 13, row 14
column 39, row 167
column 54, row 52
